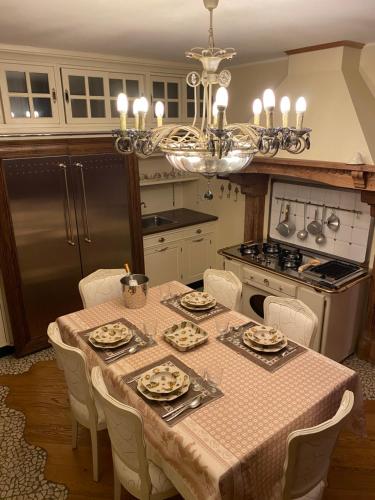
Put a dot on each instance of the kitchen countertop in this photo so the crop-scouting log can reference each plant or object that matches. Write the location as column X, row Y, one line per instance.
column 181, row 217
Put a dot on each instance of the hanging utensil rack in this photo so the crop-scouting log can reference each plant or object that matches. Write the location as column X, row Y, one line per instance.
column 295, row 200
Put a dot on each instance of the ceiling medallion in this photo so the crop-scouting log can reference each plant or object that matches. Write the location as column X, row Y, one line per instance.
column 213, row 146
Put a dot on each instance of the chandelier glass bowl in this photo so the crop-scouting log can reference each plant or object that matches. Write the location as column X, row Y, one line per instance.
column 212, row 146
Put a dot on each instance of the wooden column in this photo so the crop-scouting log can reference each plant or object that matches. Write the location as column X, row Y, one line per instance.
column 254, row 187
column 366, row 345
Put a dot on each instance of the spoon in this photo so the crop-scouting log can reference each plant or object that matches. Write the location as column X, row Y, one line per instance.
column 302, row 234
column 131, row 350
column 193, row 404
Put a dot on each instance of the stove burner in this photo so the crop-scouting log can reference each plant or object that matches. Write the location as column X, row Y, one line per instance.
column 271, row 248
column 290, row 259
column 249, row 249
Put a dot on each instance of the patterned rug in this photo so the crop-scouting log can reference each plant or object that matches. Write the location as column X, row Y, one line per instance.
column 9, row 365
column 22, row 464
column 366, row 372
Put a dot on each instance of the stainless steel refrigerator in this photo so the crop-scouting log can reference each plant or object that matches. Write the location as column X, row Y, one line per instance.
column 70, row 216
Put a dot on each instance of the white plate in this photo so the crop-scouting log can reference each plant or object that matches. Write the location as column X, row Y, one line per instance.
column 277, row 348
column 198, row 299
column 185, row 336
column 98, row 345
column 111, row 333
column 264, row 335
column 164, row 397
column 197, row 309
column 163, row 379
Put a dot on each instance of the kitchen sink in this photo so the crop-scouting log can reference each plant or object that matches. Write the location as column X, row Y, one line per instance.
column 154, row 221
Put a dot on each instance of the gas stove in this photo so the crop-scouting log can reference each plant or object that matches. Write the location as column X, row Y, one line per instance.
column 331, row 274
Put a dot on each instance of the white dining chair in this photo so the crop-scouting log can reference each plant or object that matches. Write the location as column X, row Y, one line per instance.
column 83, row 408
column 224, row 286
column 292, row 317
column 101, row 286
column 132, row 468
column 309, row 453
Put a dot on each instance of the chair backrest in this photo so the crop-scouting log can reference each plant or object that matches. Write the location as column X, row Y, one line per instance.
column 73, row 362
column 101, row 286
column 309, row 452
column 224, row 286
column 125, row 428
column 291, row 316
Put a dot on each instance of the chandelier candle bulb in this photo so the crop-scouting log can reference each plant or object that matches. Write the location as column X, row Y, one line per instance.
column 257, row 110
column 285, row 108
column 122, row 108
column 221, row 103
column 214, row 114
column 143, row 108
column 300, row 110
column 269, row 106
column 159, row 112
column 136, row 112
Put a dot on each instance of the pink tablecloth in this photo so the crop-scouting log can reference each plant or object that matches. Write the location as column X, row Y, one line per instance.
column 233, row 448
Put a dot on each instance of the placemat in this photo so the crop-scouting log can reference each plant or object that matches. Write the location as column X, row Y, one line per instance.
column 111, row 355
column 197, row 386
column 197, row 316
column 269, row 361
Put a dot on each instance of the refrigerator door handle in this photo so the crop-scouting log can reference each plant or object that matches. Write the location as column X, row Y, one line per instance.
column 67, row 216
column 85, row 218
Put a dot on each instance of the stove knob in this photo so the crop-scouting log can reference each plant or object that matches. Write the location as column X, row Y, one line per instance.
column 266, row 282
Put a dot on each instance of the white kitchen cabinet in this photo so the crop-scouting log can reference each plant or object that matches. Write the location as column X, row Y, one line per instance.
column 28, row 94
column 197, row 257
column 167, row 89
column 182, row 254
column 163, row 263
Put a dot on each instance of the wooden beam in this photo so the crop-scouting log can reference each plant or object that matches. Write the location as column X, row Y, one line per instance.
column 323, row 46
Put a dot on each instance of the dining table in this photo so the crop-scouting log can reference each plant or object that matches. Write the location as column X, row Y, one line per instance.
column 233, row 448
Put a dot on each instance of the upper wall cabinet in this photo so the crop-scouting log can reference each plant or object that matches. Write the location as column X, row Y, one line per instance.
column 168, row 91
column 29, row 94
column 92, row 95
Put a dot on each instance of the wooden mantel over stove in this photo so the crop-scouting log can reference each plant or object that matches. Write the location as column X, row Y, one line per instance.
column 254, row 181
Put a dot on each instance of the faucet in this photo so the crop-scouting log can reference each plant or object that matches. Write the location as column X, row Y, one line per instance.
column 144, row 204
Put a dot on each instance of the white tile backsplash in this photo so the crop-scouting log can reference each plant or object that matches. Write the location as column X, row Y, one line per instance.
column 349, row 242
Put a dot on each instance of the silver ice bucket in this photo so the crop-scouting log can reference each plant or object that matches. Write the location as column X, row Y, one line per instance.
column 135, row 296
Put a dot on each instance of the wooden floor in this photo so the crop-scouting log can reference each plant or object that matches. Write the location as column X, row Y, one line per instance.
column 41, row 395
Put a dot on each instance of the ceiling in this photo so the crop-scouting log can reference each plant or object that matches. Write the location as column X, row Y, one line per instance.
column 164, row 29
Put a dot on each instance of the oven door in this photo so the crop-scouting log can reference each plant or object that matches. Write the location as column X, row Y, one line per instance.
column 253, row 299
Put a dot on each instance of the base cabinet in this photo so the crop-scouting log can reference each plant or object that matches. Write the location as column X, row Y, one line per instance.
column 181, row 255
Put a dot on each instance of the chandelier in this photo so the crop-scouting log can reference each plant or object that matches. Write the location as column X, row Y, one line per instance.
column 213, row 146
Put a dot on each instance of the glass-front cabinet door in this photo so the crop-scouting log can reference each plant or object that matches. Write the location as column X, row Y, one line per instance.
column 168, row 91
column 29, row 94
column 85, row 96
column 131, row 85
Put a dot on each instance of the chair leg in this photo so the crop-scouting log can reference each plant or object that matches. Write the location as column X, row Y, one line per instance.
column 74, row 433
column 116, row 486
column 94, row 450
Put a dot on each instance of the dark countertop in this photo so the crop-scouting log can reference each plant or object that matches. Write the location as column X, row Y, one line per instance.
column 181, row 217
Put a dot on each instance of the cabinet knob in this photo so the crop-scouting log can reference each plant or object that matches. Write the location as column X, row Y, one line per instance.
column 266, row 282
column 198, row 231
column 161, row 240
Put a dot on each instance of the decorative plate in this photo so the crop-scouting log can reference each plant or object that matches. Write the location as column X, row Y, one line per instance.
column 195, row 308
column 111, row 333
column 198, row 299
column 98, row 345
column 185, row 336
column 256, row 347
column 163, row 379
column 264, row 335
column 164, row 397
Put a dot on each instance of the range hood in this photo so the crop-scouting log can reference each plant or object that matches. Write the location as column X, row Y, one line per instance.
column 341, row 107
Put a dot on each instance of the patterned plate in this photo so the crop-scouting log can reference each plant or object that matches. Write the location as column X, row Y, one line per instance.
column 264, row 335
column 98, row 345
column 185, row 336
column 201, row 308
column 111, row 333
column 256, row 347
column 164, row 397
column 163, row 379
column 198, row 299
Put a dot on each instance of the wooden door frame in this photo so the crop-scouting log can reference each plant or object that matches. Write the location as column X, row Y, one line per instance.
column 23, row 342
